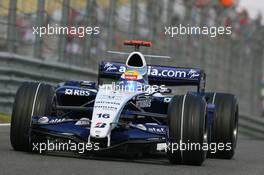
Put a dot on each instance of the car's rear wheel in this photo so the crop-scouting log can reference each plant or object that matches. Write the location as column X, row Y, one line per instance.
column 225, row 125
column 187, row 122
column 31, row 99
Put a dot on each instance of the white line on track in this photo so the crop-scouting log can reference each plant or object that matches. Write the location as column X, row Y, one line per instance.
column 4, row 124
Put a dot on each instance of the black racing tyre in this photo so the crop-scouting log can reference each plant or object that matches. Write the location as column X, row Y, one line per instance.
column 31, row 99
column 187, row 122
column 225, row 125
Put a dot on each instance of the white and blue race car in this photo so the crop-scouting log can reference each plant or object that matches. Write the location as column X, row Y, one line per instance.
column 134, row 112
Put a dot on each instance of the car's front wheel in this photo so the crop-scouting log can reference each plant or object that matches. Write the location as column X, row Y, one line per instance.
column 31, row 99
column 187, row 122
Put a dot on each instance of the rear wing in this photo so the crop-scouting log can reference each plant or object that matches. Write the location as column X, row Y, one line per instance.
column 158, row 75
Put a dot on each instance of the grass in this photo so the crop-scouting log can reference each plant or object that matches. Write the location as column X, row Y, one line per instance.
column 4, row 118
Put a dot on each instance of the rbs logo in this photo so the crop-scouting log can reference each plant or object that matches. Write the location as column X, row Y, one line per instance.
column 77, row 92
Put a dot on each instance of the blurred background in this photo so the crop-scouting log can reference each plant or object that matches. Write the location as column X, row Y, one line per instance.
column 233, row 63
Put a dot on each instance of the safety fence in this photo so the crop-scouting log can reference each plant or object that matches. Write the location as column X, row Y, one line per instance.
column 251, row 126
column 15, row 69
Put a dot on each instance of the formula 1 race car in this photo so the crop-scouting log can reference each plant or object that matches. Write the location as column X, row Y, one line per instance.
column 134, row 112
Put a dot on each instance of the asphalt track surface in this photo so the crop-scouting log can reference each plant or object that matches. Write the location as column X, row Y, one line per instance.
column 249, row 160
